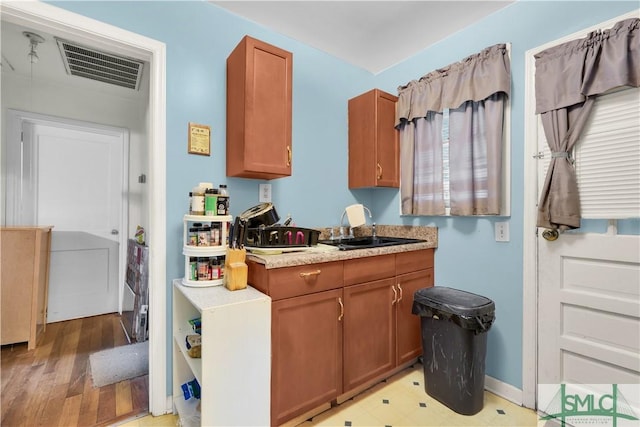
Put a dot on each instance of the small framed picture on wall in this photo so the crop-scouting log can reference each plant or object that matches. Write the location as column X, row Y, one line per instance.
column 199, row 139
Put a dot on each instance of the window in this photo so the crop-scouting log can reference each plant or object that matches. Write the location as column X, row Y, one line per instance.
column 454, row 138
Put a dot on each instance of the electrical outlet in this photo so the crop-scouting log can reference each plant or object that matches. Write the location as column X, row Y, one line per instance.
column 502, row 231
column 265, row 193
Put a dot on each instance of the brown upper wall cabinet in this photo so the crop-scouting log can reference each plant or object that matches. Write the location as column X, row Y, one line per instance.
column 259, row 79
column 373, row 141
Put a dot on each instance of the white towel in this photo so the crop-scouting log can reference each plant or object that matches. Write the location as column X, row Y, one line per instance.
column 355, row 215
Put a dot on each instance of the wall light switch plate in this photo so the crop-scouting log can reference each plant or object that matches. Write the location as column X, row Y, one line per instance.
column 265, row 193
column 502, row 231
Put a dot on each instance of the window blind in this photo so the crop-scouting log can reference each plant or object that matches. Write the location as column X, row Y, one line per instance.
column 607, row 157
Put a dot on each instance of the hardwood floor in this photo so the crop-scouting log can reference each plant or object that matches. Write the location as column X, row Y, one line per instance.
column 51, row 385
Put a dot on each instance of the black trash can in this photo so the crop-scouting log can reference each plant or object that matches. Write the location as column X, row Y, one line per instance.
column 454, row 326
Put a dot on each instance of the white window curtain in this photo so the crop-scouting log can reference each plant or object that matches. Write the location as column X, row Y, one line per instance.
column 474, row 92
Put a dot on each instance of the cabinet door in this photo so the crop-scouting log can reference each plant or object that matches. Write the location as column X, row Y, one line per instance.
column 409, row 335
column 306, row 336
column 373, row 141
column 259, row 78
column 369, row 331
column 387, row 142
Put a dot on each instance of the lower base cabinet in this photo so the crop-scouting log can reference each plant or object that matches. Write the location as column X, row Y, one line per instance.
column 408, row 333
column 307, row 353
column 369, row 332
column 384, row 306
column 340, row 326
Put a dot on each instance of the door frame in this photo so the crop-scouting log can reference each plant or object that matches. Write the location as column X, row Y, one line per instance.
column 16, row 119
column 48, row 18
column 530, row 231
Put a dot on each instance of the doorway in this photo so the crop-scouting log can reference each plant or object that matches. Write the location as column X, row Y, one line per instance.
column 48, row 18
column 581, row 302
column 74, row 176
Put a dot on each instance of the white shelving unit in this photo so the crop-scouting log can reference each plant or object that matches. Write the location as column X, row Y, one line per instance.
column 234, row 371
column 190, row 251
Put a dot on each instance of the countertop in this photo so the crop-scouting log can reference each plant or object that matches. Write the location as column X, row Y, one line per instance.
column 326, row 253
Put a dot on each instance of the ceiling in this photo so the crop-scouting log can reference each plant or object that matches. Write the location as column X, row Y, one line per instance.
column 50, row 66
column 373, row 35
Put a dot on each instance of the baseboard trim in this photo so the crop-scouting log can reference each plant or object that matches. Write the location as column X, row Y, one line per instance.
column 504, row 390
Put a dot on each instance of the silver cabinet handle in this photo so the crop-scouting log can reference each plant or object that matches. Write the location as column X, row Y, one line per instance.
column 400, row 289
column 341, row 309
column 114, row 232
column 395, row 295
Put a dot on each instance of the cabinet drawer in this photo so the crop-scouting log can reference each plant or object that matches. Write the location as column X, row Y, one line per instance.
column 407, row 262
column 362, row 270
column 289, row 282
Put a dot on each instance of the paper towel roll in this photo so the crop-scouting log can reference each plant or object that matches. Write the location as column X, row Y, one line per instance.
column 355, row 215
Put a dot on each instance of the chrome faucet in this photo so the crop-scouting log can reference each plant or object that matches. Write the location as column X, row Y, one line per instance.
column 341, row 235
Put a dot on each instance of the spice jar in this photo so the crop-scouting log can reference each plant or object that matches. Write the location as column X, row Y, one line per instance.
column 193, row 268
column 204, row 235
column 193, row 234
column 203, row 268
column 215, row 234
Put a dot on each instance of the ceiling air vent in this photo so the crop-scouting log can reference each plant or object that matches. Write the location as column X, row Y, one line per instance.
column 101, row 66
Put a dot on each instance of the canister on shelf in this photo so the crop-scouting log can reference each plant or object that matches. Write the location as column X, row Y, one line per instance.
column 197, row 201
column 223, row 205
column 211, row 202
column 225, row 193
column 223, row 200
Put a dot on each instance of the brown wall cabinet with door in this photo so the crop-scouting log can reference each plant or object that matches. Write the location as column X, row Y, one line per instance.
column 340, row 325
column 374, row 154
column 259, row 88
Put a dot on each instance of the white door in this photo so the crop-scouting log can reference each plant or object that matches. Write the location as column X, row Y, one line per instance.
column 76, row 184
column 589, row 283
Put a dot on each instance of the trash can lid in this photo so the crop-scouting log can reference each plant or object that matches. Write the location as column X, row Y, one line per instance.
column 453, row 301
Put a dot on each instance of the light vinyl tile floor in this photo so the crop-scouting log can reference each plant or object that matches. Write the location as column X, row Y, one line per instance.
column 402, row 401
column 399, row 401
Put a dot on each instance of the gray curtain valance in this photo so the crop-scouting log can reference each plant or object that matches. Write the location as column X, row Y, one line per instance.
column 569, row 73
column 475, row 78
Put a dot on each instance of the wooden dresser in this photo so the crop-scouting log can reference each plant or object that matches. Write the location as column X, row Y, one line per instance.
column 25, row 253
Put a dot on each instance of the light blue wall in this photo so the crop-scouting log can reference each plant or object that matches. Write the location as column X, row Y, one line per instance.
column 468, row 257
column 199, row 37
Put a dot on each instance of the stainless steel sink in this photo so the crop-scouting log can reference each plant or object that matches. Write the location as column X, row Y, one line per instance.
column 368, row 242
